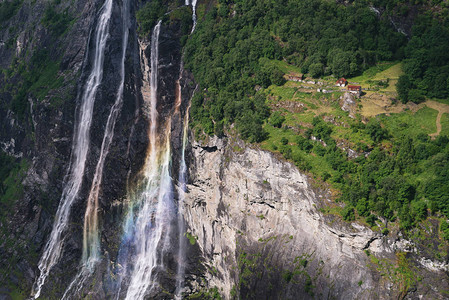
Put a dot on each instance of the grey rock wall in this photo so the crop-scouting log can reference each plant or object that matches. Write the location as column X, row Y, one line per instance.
column 262, row 236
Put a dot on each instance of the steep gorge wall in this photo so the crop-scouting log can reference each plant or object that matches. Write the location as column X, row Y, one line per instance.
column 257, row 222
column 43, row 137
column 253, row 220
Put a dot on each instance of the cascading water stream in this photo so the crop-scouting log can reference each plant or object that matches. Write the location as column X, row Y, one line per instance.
column 151, row 208
column 180, row 272
column 193, row 3
column 91, row 241
column 153, row 226
column 53, row 248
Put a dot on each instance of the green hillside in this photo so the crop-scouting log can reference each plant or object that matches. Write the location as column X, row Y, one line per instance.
column 387, row 157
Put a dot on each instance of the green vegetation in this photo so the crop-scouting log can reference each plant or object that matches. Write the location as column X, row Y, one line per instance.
column 444, row 228
column 427, row 60
column 412, row 124
column 149, row 14
column 8, row 9
column 240, row 52
column 392, row 182
column 236, row 47
column 210, row 294
column 183, row 15
column 12, row 173
column 445, row 122
column 400, row 272
column 191, row 237
column 37, row 77
column 56, row 22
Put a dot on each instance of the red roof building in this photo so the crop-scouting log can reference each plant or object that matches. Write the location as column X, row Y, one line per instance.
column 341, row 82
column 355, row 89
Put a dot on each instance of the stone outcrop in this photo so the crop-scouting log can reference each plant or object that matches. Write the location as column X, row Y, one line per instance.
column 349, row 104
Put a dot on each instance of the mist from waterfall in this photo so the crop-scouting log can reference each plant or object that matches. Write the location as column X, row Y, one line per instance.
column 80, row 147
column 151, row 208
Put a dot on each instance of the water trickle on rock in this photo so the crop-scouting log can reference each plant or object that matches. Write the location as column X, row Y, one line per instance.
column 81, row 143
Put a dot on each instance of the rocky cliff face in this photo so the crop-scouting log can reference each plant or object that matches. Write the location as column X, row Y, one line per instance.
column 42, row 136
column 258, row 224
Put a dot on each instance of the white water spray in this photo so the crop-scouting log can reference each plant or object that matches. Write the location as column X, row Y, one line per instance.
column 154, row 201
column 193, row 3
column 53, row 248
column 91, row 240
column 180, row 272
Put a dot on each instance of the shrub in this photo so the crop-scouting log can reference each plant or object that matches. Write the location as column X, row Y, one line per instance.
column 402, row 87
column 376, row 131
column 286, row 151
column 416, row 96
column 348, row 213
column 325, row 176
column 8, row 9
column 303, row 143
column 149, row 14
column 277, row 119
column 56, row 22
column 319, row 149
column 362, row 207
column 371, row 220
column 444, row 228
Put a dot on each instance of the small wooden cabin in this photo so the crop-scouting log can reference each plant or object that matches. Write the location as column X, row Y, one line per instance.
column 355, row 89
column 341, row 82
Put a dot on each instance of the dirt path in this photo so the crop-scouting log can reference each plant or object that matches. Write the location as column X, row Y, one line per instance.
column 440, row 114
column 441, row 108
column 374, row 104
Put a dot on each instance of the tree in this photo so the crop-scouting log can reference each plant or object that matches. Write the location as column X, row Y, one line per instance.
column 444, row 228
column 277, row 119
column 402, row 87
column 348, row 213
column 342, row 63
column 376, row 131
column 416, row 96
column 316, row 70
column 362, row 207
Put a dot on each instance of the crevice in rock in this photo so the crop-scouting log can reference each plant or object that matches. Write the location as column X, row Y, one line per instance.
column 370, row 241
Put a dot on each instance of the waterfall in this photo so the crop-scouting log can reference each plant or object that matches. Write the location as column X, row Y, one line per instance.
column 193, row 3
column 194, row 15
column 74, row 178
column 180, row 272
column 91, row 241
column 151, row 208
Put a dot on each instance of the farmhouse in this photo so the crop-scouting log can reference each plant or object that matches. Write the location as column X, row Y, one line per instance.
column 341, row 82
column 355, row 89
column 299, row 78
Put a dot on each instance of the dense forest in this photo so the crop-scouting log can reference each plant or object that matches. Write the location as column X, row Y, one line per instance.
column 230, row 53
column 233, row 55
